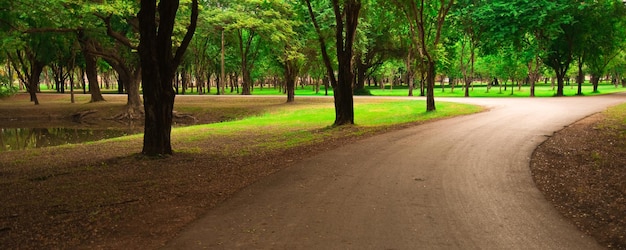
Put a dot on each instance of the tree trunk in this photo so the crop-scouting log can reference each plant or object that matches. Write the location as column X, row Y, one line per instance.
column 361, row 69
column 245, row 86
column 595, row 80
column 222, row 69
column 33, row 81
column 560, row 76
column 158, row 64
column 290, row 80
column 129, row 79
column 430, row 82
column 581, row 77
column 92, row 77
column 346, row 19
column 409, row 72
column 344, row 105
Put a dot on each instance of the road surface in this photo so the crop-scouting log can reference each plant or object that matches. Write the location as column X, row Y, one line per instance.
column 460, row 183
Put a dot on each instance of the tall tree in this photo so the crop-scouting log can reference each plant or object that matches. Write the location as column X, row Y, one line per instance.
column 604, row 24
column 346, row 20
column 27, row 39
column 464, row 20
column 114, row 39
column 379, row 39
column 426, row 21
column 530, row 28
column 159, row 61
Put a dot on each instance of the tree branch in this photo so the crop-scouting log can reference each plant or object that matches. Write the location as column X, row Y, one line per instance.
column 115, row 35
column 191, row 29
column 326, row 58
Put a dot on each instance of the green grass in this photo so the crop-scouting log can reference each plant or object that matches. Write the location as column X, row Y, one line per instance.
column 615, row 118
column 305, row 123
column 541, row 90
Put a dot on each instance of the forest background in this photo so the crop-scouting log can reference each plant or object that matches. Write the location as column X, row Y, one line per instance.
column 345, row 45
column 246, row 44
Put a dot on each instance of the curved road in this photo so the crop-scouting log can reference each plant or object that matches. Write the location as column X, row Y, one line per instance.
column 460, row 183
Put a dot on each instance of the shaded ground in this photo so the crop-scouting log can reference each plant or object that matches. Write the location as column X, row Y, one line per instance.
column 100, row 196
column 582, row 170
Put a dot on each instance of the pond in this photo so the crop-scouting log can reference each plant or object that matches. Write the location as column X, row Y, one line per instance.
column 26, row 138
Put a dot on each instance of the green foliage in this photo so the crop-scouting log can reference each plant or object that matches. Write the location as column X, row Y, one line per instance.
column 362, row 92
column 507, row 35
column 6, row 90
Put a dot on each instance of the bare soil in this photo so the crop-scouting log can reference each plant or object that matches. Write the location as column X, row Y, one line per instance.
column 582, row 171
column 106, row 196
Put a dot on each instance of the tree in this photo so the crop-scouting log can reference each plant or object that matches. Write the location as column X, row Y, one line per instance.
column 27, row 39
column 114, row 39
column 426, row 21
column 159, row 62
column 530, row 28
column 464, row 20
column 603, row 24
column 346, row 20
column 379, row 38
column 90, row 68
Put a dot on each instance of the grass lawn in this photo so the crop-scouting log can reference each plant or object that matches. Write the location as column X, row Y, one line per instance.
column 308, row 120
column 541, row 90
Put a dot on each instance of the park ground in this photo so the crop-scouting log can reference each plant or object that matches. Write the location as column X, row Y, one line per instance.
column 106, row 195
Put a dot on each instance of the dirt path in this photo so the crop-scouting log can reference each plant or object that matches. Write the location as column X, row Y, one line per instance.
column 457, row 183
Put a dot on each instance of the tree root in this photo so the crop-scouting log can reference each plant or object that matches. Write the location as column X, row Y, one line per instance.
column 178, row 115
column 78, row 116
column 131, row 114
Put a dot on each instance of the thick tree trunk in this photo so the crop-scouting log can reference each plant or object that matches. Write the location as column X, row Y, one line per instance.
column 468, row 85
column 347, row 19
column 560, row 76
column 158, row 64
column 130, row 81
column 157, row 75
column 361, row 69
column 344, row 104
column 92, row 77
column 133, row 103
column 595, row 80
column 33, row 80
column 245, row 86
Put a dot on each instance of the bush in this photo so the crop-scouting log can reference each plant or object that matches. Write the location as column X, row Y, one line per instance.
column 6, row 90
column 362, row 91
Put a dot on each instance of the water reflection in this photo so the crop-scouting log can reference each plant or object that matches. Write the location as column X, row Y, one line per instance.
column 25, row 138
